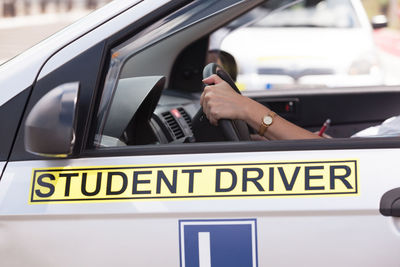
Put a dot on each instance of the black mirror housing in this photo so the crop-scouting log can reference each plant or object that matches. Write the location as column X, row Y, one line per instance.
column 51, row 124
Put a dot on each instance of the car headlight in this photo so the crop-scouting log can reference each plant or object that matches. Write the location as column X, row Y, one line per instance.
column 368, row 64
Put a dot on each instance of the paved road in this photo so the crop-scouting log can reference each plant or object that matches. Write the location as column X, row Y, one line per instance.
column 19, row 34
column 14, row 42
column 388, row 40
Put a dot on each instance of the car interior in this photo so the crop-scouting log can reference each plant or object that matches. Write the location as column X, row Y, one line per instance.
column 154, row 83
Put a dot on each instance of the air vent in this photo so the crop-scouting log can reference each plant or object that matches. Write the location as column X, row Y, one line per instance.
column 173, row 125
column 186, row 117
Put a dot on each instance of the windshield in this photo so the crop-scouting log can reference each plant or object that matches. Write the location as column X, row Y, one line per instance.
column 328, row 13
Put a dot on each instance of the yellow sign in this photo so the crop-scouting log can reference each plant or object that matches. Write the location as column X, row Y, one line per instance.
column 241, row 180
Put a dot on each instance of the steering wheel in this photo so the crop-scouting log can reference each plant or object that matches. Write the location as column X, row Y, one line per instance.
column 227, row 130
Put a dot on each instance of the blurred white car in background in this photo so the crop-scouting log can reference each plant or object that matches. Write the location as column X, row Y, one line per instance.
column 312, row 43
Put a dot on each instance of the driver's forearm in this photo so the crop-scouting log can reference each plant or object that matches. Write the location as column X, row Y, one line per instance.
column 280, row 129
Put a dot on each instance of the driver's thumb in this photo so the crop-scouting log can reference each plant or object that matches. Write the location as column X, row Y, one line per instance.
column 213, row 79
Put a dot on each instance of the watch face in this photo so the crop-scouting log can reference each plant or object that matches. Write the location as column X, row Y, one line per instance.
column 267, row 120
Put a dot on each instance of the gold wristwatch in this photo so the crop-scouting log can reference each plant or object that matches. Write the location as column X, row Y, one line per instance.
column 266, row 122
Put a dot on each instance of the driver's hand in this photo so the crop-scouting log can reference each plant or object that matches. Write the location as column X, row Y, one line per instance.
column 220, row 101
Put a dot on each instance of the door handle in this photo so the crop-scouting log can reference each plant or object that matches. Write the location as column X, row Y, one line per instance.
column 390, row 203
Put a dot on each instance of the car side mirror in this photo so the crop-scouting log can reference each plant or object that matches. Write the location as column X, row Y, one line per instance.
column 379, row 22
column 50, row 125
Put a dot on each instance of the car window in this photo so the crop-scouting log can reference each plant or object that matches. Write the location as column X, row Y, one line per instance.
column 151, row 94
column 142, row 71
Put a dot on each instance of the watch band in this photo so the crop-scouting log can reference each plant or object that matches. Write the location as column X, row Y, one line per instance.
column 264, row 126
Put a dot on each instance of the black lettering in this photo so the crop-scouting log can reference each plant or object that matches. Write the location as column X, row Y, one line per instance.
column 68, row 181
column 342, row 178
column 136, row 182
column 44, row 184
column 218, row 180
column 84, row 183
column 161, row 177
column 289, row 186
column 271, row 179
column 191, row 177
column 308, row 177
column 254, row 180
column 109, row 183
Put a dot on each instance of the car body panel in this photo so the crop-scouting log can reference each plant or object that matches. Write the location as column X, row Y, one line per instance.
column 105, row 224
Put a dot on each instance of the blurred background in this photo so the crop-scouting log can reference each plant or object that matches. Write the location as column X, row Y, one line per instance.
column 23, row 23
column 389, row 8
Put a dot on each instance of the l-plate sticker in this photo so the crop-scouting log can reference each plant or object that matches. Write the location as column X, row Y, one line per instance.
column 209, row 243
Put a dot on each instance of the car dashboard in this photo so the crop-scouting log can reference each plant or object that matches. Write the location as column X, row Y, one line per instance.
column 172, row 119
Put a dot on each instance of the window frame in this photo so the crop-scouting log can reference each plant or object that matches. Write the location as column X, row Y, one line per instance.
column 236, row 147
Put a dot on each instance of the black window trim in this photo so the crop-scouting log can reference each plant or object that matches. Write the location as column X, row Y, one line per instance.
column 252, row 146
